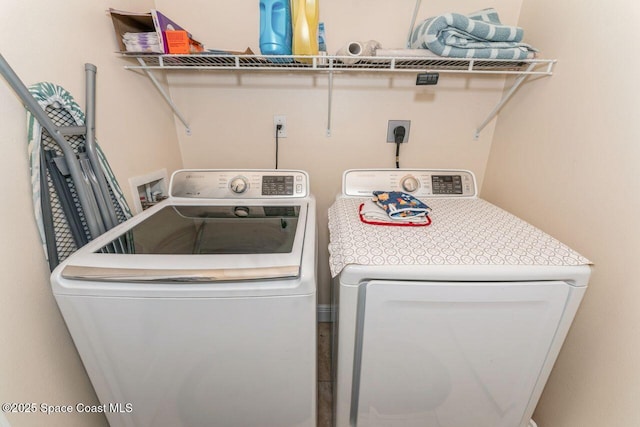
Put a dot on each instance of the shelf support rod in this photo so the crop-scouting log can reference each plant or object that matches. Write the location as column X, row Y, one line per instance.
column 329, row 100
column 165, row 95
column 413, row 23
column 519, row 80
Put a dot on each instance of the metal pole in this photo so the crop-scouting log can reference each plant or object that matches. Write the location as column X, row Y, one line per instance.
column 107, row 211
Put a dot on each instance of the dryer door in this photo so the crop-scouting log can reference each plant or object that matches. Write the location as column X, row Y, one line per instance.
column 453, row 354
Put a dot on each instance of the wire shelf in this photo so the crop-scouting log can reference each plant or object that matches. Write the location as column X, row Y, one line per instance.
column 291, row 63
column 330, row 65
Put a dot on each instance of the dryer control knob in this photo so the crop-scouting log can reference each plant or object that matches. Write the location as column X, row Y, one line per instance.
column 409, row 183
column 239, row 185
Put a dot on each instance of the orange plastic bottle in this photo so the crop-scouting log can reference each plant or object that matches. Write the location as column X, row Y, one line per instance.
column 306, row 14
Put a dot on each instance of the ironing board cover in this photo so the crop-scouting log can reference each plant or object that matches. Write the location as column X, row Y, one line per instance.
column 463, row 232
column 63, row 111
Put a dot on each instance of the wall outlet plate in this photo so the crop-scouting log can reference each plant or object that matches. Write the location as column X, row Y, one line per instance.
column 427, row 79
column 394, row 124
column 280, row 119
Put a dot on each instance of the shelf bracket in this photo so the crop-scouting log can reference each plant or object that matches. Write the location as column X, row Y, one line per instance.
column 329, row 100
column 165, row 95
column 516, row 84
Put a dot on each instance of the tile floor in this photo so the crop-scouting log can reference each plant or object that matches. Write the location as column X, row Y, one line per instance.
column 324, row 374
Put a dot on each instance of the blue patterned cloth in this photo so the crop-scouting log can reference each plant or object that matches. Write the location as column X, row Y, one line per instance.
column 399, row 205
column 477, row 35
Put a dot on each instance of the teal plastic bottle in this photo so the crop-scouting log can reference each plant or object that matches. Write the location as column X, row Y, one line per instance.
column 275, row 27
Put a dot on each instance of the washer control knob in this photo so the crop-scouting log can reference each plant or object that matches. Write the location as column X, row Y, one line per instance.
column 409, row 183
column 239, row 185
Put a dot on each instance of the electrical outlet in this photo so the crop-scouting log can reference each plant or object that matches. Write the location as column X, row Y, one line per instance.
column 394, row 124
column 280, row 120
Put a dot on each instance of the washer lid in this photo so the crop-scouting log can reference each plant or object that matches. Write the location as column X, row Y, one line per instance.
column 182, row 243
column 218, row 229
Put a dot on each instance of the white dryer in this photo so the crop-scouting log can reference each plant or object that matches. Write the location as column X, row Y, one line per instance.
column 455, row 324
column 201, row 311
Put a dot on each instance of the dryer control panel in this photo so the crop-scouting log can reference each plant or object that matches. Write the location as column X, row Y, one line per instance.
column 228, row 183
column 418, row 182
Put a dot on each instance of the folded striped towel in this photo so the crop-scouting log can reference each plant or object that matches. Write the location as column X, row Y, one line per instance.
column 477, row 35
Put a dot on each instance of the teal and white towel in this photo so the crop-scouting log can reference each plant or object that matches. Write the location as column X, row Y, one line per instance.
column 477, row 35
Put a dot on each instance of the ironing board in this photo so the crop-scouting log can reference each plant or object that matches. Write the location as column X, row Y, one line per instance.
column 50, row 214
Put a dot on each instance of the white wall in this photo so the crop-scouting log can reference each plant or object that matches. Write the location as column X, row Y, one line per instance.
column 231, row 115
column 51, row 41
column 565, row 156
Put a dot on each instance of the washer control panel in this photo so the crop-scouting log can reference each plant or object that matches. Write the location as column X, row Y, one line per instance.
column 418, row 182
column 253, row 184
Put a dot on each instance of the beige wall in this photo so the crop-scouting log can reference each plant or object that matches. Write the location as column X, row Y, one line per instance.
column 51, row 41
column 574, row 133
column 565, row 156
column 231, row 115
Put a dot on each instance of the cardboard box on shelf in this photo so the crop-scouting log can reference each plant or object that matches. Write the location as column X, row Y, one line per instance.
column 146, row 22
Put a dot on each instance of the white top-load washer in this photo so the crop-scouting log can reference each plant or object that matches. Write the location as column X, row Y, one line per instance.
column 201, row 311
column 455, row 324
